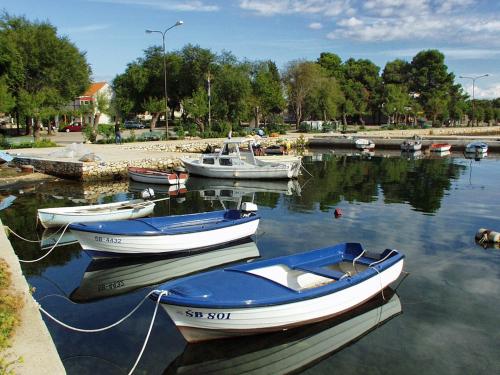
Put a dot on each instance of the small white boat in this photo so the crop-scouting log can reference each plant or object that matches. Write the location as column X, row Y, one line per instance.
column 114, row 276
column 411, row 145
column 52, row 236
column 59, row 216
column 364, row 144
column 152, row 176
column 166, row 234
column 287, row 352
column 440, row 147
column 278, row 294
column 233, row 162
column 477, row 148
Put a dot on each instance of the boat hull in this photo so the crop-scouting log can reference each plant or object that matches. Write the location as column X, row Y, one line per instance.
column 440, row 147
column 150, row 176
column 274, row 171
column 410, row 147
column 201, row 324
column 57, row 217
column 106, row 245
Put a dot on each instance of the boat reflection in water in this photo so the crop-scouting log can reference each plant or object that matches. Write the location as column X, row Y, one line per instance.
column 477, row 156
column 51, row 236
column 171, row 190
column 227, row 189
column 110, row 277
column 412, row 155
column 288, row 351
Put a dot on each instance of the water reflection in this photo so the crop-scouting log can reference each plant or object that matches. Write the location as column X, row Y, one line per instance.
column 286, row 352
column 110, row 277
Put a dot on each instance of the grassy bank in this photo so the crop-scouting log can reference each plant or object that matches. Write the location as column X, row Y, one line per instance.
column 10, row 307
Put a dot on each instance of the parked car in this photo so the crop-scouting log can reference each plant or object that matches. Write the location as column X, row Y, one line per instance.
column 130, row 124
column 73, row 127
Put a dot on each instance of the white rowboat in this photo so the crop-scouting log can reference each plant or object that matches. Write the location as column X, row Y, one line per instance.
column 59, row 216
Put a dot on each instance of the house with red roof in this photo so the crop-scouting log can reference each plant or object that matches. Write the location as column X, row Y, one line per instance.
column 91, row 97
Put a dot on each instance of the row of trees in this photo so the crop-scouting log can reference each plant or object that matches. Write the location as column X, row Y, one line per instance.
column 41, row 72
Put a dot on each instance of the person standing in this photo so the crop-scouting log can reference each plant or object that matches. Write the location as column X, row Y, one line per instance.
column 118, row 134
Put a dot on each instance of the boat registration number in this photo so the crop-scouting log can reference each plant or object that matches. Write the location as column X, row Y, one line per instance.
column 107, row 239
column 208, row 315
column 110, row 286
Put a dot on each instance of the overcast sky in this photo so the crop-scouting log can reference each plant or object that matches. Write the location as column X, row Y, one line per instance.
column 112, row 31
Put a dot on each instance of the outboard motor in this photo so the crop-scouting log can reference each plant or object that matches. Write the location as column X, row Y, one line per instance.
column 147, row 193
column 248, row 209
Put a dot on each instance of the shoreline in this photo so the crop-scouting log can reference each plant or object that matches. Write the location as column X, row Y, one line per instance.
column 31, row 339
column 113, row 160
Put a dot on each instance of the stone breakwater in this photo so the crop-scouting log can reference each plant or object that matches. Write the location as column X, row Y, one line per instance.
column 134, row 154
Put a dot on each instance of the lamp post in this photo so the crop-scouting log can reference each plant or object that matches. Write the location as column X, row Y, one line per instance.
column 473, row 79
column 178, row 23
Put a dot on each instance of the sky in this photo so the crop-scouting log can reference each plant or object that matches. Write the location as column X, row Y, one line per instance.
column 112, row 32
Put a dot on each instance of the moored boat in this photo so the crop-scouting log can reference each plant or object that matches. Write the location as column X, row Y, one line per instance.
column 477, row 148
column 278, row 294
column 153, row 176
column 440, row 147
column 166, row 234
column 411, row 145
column 364, row 144
column 59, row 216
column 232, row 162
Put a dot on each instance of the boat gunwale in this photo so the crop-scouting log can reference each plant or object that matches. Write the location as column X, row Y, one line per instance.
column 294, row 296
column 195, row 228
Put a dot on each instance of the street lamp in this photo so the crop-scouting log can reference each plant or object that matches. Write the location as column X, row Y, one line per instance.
column 178, row 23
column 473, row 85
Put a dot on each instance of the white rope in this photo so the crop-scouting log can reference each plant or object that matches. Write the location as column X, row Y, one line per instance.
column 355, row 259
column 379, row 261
column 160, row 294
column 384, row 258
column 21, row 237
column 163, row 292
column 51, row 249
column 103, row 328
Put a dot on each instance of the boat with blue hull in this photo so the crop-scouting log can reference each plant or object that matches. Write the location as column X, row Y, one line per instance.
column 278, row 294
column 166, row 234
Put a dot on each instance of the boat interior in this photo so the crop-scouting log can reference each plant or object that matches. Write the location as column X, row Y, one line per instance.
column 309, row 276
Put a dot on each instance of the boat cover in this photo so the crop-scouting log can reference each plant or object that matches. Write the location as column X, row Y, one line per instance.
column 236, row 287
column 167, row 225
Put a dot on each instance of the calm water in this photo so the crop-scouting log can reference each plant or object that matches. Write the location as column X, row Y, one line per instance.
column 429, row 209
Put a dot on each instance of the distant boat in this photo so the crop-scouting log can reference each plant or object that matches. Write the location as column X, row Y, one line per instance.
column 278, row 294
column 364, row 144
column 166, row 234
column 411, row 145
column 440, row 147
column 231, row 162
column 5, row 157
column 114, row 276
column 59, row 216
column 287, row 352
column 5, row 202
column 153, row 176
column 477, row 148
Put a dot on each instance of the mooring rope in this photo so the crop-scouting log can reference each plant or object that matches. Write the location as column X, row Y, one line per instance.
column 51, row 249
column 160, row 294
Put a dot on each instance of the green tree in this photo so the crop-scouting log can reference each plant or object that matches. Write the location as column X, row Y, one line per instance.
column 197, row 107
column 429, row 78
column 39, row 63
column 7, row 102
column 267, row 90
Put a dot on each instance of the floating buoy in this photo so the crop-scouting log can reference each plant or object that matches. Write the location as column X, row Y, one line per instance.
column 487, row 235
column 337, row 213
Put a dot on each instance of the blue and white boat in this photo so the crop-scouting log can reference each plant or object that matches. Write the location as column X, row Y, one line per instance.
column 476, row 148
column 166, row 234
column 278, row 294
